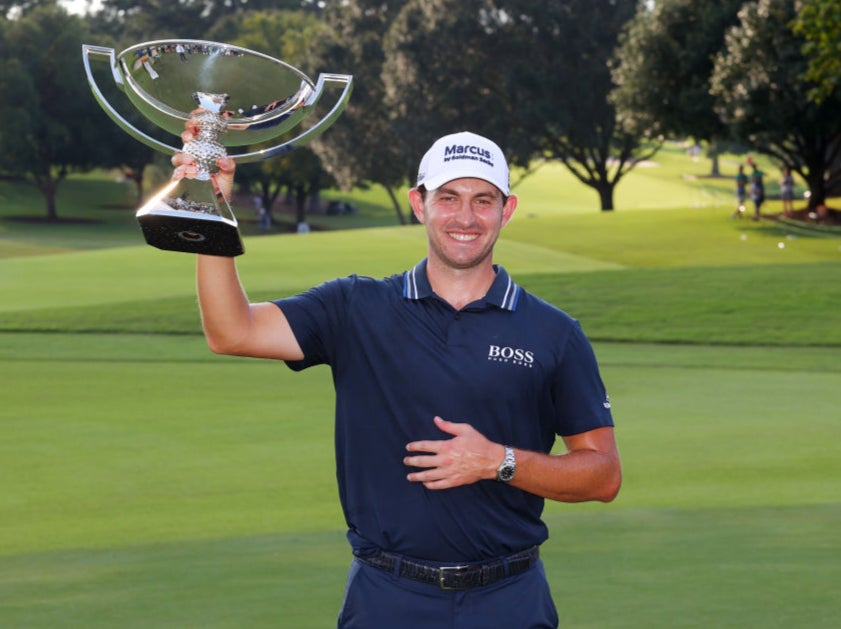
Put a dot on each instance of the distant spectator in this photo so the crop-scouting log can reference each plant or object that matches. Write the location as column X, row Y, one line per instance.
column 741, row 193
column 787, row 191
column 757, row 190
column 264, row 219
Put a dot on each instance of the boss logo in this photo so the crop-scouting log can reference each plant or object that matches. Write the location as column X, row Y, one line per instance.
column 513, row 355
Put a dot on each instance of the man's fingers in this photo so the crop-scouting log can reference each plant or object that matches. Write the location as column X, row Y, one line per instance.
column 428, row 460
column 226, row 165
column 424, row 446
column 185, row 170
column 435, row 474
column 182, row 159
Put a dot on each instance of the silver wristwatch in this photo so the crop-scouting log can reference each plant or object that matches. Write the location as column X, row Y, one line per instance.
column 505, row 472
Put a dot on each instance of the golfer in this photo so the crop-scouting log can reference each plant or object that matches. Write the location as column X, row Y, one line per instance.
column 452, row 383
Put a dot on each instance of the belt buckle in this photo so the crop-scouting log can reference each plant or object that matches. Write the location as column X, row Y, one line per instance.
column 449, row 570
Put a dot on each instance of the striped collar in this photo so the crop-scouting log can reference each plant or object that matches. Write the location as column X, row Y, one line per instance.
column 503, row 293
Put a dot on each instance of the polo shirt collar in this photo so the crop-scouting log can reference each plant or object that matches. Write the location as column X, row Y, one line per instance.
column 503, row 293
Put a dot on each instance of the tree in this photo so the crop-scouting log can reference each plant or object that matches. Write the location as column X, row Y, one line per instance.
column 155, row 19
column 116, row 149
column 663, row 67
column 568, row 47
column 48, row 130
column 185, row 19
column 18, row 8
column 533, row 76
column 127, row 155
column 289, row 36
column 819, row 23
column 760, row 91
column 363, row 146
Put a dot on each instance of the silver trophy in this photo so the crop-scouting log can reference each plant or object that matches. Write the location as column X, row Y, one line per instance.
column 238, row 97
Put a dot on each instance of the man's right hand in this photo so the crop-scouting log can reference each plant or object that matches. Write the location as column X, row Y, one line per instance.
column 185, row 165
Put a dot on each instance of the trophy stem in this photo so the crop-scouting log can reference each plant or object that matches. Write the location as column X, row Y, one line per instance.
column 206, row 148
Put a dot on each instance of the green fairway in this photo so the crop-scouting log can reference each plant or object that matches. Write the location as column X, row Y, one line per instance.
column 145, row 484
column 149, row 483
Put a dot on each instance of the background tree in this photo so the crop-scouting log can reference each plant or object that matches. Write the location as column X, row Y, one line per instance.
column 186, row 19
column 215, row 10
column 18, row 8
column 663, row 69
column 117, row 149
column 288, row 35
column 819, row 23
column 47, row 128
column 121, row 152
column 561, row 84
column 533, row 76
column 12, row 10
column 363, row 147
column 761, row 93
column 139, row 22
column 443, row 73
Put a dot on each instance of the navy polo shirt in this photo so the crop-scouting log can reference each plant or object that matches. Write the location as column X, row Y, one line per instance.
column 516, row 368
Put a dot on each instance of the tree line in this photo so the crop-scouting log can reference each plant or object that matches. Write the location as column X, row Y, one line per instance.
column 597, row 85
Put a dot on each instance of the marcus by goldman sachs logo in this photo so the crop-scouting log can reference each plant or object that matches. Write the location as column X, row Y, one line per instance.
column 513, row 355
column 467, row 151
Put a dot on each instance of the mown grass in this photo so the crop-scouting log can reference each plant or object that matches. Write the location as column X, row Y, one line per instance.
column 718, row 288
column 149, row 483
column 766, row 305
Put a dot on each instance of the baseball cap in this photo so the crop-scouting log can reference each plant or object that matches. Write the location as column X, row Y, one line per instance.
column 463, row 154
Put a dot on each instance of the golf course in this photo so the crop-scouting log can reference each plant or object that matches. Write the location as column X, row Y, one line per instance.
column 146, row 482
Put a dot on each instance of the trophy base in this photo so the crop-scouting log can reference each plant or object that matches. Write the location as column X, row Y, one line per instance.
column 191, row 232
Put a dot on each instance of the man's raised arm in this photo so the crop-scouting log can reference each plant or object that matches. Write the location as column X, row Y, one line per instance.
column 233, row 325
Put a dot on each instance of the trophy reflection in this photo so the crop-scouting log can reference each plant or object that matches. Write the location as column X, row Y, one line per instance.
column 219, row 88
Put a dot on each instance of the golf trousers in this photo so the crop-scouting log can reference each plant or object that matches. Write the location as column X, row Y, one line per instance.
column 376, row 599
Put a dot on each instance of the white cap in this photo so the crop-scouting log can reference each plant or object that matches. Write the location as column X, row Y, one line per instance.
column 460, row 155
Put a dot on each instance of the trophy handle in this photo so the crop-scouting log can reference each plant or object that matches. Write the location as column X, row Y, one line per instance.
column 324, row 80
column 121, row 122
column 345, row 80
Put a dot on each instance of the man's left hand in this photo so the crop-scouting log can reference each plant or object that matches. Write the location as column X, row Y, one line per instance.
column 465, row 458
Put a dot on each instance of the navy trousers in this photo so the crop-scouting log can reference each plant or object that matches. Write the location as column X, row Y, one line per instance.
column 375, row 599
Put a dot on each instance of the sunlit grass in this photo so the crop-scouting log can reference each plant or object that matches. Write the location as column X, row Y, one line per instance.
column 150, row 483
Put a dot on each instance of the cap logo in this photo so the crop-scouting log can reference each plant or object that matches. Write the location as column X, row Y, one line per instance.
column 468, row 151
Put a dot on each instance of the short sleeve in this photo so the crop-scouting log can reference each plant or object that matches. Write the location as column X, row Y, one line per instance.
column 580, row 397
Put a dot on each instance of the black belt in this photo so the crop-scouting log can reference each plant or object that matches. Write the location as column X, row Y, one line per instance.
column 456, row 577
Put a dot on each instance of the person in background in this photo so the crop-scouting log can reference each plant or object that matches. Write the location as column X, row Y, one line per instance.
column 741, row 193
column 757, row 191
column 787, row 191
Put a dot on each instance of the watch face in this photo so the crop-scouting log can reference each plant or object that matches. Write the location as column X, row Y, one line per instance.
column 506, row 473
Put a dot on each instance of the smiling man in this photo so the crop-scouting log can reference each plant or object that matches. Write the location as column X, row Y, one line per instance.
column 452, row 385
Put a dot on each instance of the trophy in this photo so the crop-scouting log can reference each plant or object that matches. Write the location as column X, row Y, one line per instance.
column 238, row 98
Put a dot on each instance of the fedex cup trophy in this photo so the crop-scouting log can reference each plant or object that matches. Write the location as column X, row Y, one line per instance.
column 238, row 97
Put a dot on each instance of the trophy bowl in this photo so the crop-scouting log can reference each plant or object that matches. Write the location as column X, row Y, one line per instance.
column 238, row 98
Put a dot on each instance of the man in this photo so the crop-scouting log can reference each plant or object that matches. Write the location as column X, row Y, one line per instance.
column 451, row 385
